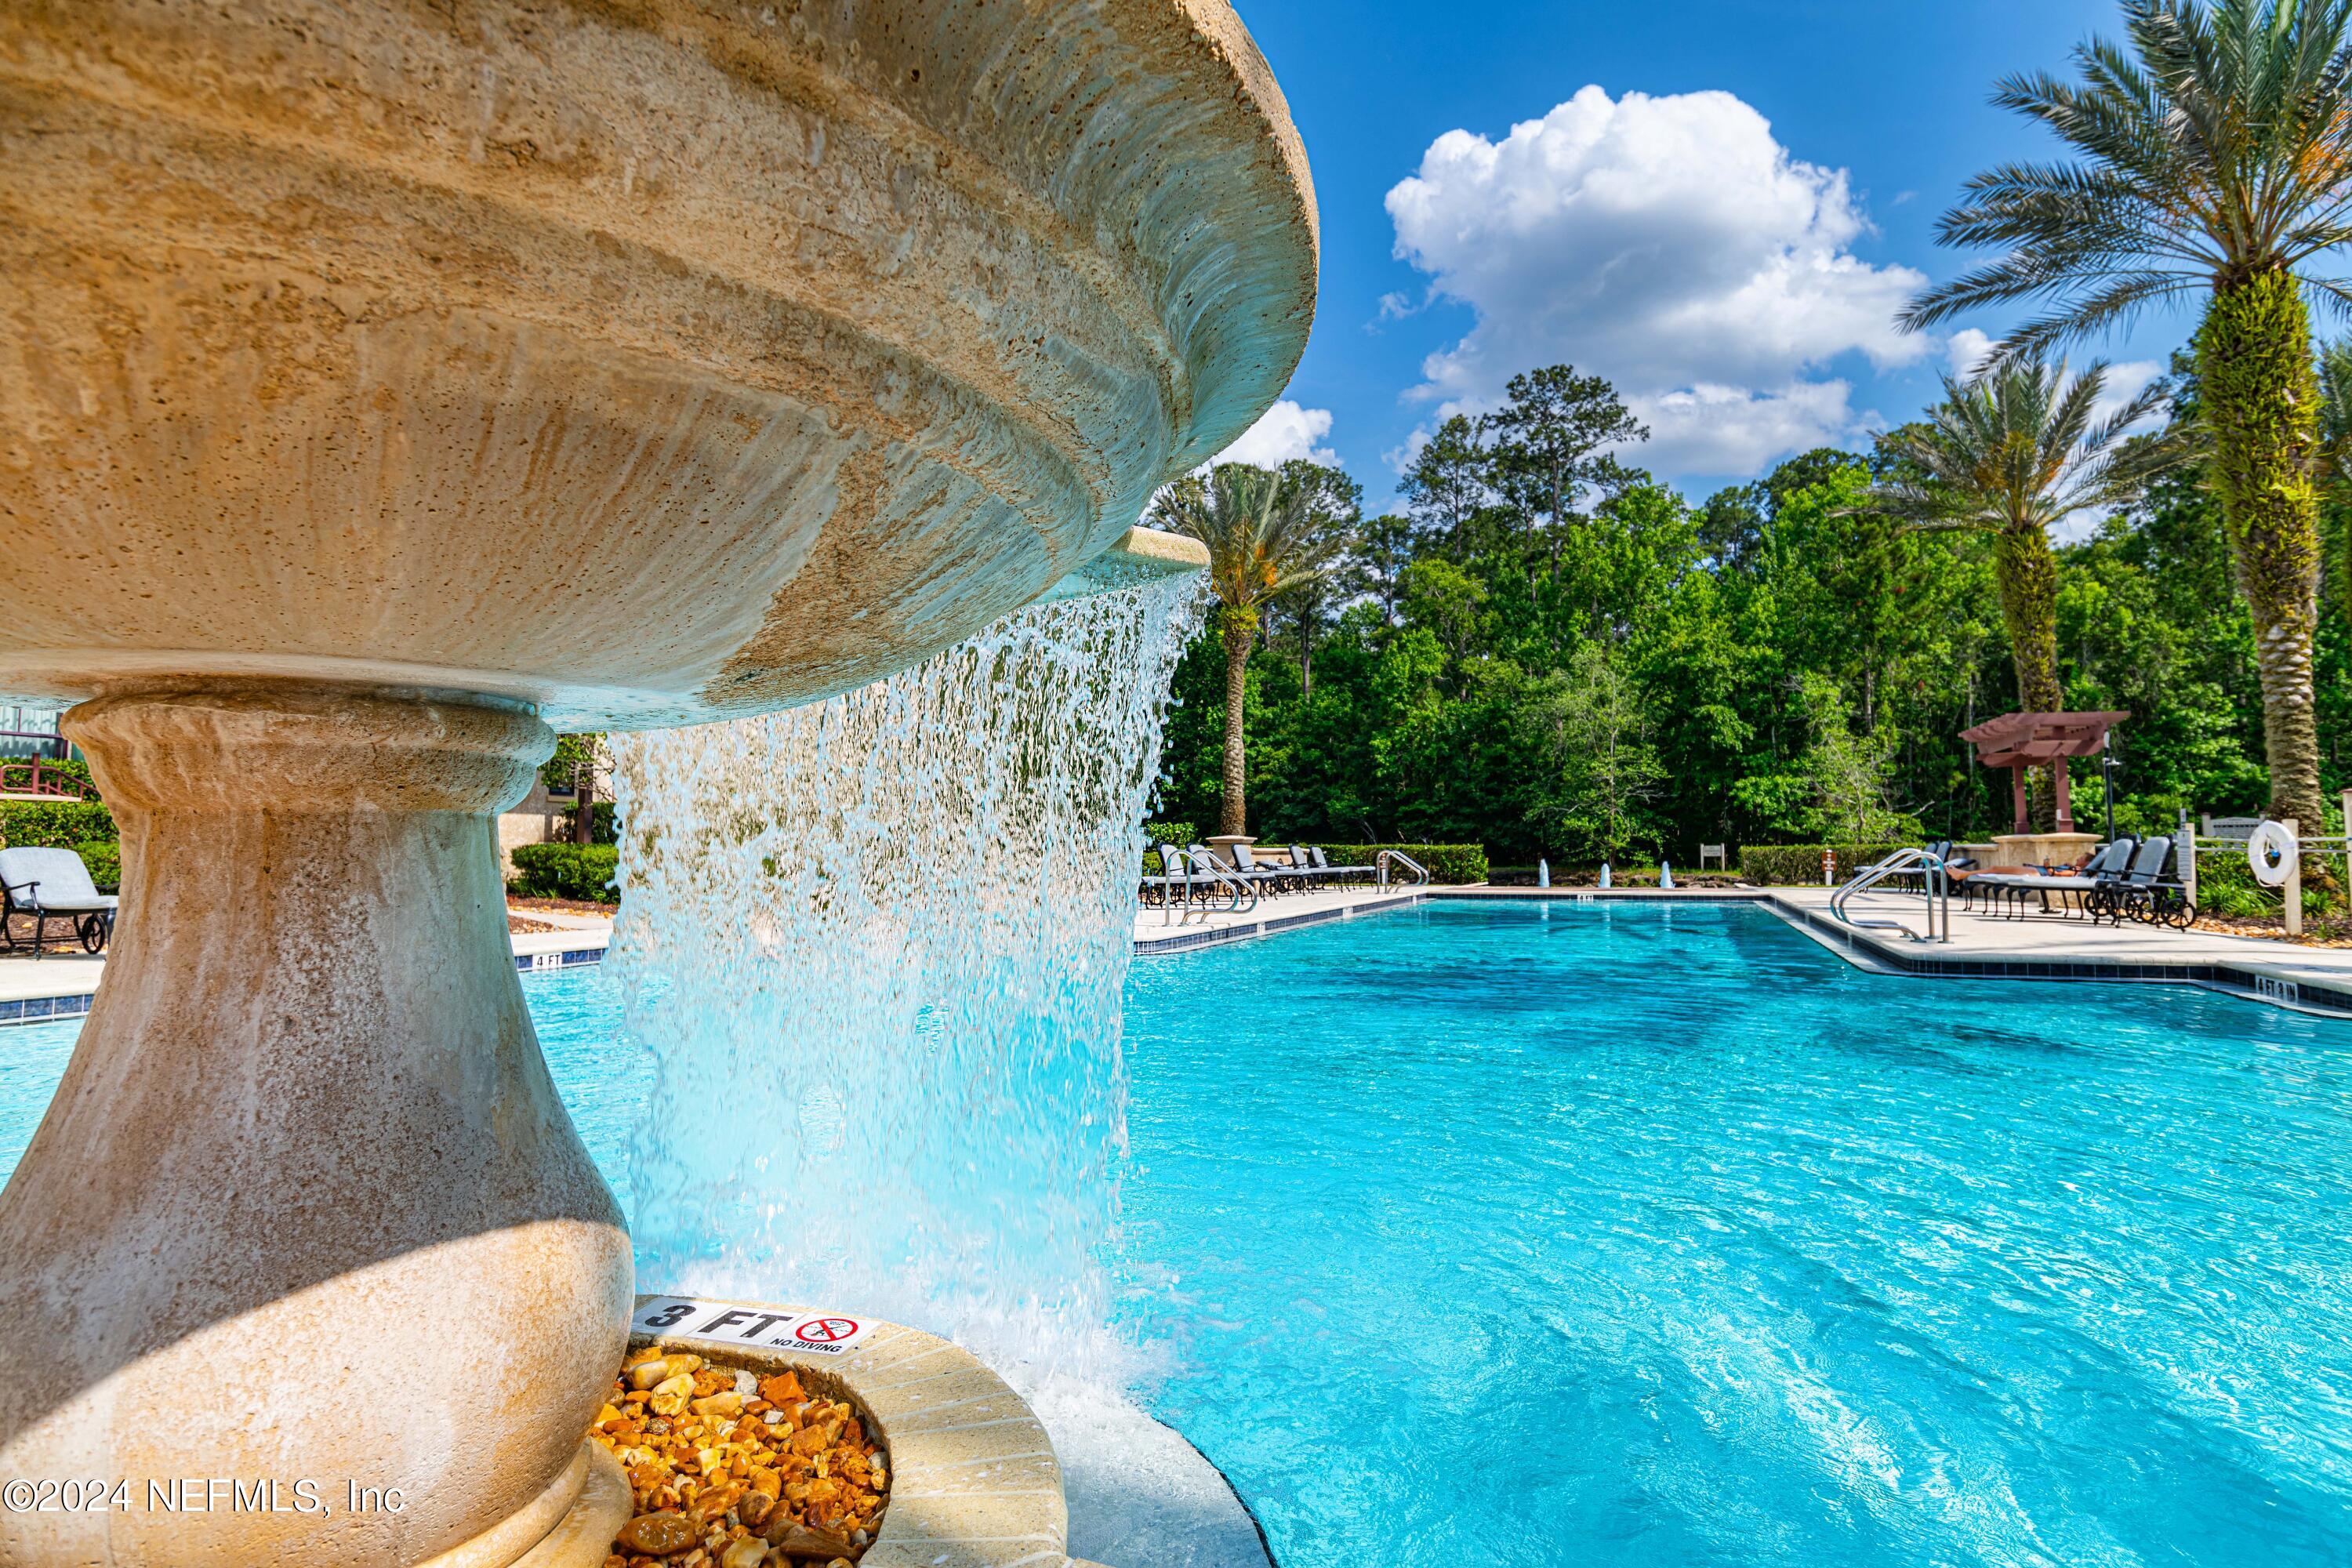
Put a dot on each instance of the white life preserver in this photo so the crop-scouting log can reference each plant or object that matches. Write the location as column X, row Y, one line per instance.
column 2270, row 847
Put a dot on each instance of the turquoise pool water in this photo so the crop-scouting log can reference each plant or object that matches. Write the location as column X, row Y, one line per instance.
column 1647, row 1234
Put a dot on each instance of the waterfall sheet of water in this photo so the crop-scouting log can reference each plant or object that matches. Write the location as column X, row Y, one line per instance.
column 876, row 947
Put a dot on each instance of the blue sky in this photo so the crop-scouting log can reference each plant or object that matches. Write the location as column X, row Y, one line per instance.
column 1714, row 202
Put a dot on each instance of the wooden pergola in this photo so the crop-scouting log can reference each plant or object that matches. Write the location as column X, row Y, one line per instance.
column 2022, row 741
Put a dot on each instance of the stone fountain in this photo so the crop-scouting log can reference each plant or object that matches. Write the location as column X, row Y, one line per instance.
column 385, row 384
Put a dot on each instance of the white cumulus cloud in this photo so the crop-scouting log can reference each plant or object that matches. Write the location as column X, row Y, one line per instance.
column 1670, row 244
column 1283, row 432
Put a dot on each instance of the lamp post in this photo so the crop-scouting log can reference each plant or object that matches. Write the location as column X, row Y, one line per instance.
column 2107, row 777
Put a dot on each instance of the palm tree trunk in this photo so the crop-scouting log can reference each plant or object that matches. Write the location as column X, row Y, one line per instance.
column 1240, row 629
column 2261, row 400
column 2026, row 572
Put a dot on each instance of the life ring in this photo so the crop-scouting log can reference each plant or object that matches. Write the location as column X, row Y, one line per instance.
column 2269, row 850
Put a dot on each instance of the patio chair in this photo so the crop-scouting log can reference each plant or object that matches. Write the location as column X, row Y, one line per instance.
column 1273, row 878
column 1342, row 875
column 1317, row 871
column 1175, row 884
column 2016, row 887
column 2150, row 891
column 52, row 885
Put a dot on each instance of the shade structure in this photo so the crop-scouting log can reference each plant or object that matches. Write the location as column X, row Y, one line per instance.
column 2021, row 742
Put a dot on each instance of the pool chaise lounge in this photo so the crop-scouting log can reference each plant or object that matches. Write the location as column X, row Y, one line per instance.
column 52, row 885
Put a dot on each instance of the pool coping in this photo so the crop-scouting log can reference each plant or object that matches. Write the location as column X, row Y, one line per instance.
column 2249, row 981
column 1216, row 936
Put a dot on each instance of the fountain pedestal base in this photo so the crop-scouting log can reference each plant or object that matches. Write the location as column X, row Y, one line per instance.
column 306, row 1252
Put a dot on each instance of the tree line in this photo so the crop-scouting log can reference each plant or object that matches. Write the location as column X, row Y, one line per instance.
column 1547, row 650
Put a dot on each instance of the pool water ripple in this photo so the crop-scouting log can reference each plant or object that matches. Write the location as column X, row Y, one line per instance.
column 1639, row 1235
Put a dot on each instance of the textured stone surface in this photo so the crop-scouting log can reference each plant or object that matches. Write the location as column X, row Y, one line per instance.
column 306, row 1204
column 644, row 359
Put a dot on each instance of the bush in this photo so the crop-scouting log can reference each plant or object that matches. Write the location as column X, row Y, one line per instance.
column 579, row 871
column 68, row 824
column 1180, row 834
column 104, row 859
column 1800, row 865
column 1451, row 863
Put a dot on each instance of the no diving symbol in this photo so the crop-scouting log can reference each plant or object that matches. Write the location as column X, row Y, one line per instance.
column 825, row 1331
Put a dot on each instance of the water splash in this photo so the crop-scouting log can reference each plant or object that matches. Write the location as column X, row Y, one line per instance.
column 877, row 947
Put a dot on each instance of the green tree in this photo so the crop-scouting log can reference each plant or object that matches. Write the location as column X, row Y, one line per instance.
column 2213, row 155
column 2013, row 452
column 1265, row 537
column 1553, row 441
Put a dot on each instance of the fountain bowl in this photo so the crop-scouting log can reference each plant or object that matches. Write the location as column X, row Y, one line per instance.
column 642, row 361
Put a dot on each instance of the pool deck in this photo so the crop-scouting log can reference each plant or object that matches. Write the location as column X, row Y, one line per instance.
column 60, row 985
column 2316, row 980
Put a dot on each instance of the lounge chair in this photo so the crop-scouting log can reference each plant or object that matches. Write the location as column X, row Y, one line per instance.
column 2016, row 887
column 52, row 885
column 1273, row 878
column 2150, row 891
column 1313, row 868
column 1173, row 886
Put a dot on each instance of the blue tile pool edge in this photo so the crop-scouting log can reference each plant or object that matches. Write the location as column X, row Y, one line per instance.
column 75, row 1003
column 1856, row 947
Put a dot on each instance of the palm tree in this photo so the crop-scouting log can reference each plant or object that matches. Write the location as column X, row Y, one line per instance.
column 2213, row 158
column 2013, row 452
column 1264, row 538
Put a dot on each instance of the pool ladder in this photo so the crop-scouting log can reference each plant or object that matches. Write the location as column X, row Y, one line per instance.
column 1931, row 869
column 1398, row 856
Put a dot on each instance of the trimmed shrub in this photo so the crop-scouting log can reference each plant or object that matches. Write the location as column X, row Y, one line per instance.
column 565, row 872
column 1180, row 834
column 104, row 859
column 1451, row 863
column 54, row 769
column 1800, row 865
column 68, row 824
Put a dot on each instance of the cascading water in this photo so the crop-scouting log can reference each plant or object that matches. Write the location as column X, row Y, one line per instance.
column 876, row 947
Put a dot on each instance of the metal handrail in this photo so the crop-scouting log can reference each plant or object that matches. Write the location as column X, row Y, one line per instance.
column 1205, row 863
column 1381, row 864
column 1939, row 892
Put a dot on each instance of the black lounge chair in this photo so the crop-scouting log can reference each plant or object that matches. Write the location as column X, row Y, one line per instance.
column 1173, row 886
column 52, row 885
column 2015, row 888
column 1273, row 878
column 2151, row 891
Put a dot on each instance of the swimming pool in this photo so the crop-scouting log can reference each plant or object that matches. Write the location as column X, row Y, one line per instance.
column 1650, row 1233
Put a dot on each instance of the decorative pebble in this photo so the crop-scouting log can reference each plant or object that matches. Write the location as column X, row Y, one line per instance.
column 730, row 1471
column 656, row 1534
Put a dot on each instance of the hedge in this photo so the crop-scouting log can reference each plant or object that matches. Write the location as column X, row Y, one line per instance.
column 581, row 871
column 1180, row 834
column 68, row 824
column 104, row 859
column 1456, row 864
column 1800, row 865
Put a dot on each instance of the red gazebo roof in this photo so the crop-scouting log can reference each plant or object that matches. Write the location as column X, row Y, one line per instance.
column 2018, row 740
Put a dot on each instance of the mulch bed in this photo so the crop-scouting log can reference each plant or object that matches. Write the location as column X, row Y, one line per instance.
column 2270, row 928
